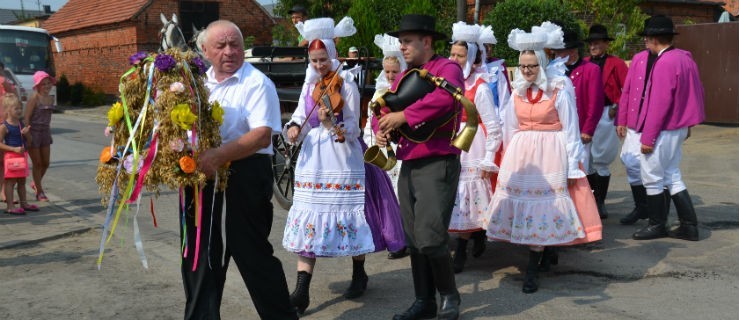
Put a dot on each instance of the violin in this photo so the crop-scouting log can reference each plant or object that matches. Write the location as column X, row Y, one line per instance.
column 329, row 97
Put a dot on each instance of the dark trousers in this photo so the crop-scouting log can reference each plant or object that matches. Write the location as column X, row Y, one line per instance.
column 427, row 189
column 248, row 224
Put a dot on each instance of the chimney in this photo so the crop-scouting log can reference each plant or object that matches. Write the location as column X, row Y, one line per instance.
column 47, row 9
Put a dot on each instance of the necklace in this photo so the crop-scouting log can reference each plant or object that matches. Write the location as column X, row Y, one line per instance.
column 538, row 95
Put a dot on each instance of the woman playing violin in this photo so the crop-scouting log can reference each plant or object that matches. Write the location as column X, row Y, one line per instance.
column 327, row 218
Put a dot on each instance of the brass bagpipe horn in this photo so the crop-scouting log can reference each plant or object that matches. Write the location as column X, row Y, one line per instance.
column 462, row 141
column 415, row 84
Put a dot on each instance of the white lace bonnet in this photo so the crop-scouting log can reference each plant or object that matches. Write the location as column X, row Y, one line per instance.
column 390, row 48
column 324, row 29
column 471, row 35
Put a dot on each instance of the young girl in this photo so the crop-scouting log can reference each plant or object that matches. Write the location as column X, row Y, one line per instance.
column 13, row 137
column 38, row 116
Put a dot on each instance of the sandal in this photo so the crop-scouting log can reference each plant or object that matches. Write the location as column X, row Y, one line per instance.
column 41, row 197
column 30, row 207
column 16, row 211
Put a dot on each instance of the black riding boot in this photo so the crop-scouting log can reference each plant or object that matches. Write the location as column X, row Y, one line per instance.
column 549, row 258
column 478, row 244
column 531, row 280
column 359, row 280
column 300, row 297
column 460, row 255
column 657, row 219
column 600, row 194
column 688, row 229
column 640, row 206
column 423, row 284
column 441, row 266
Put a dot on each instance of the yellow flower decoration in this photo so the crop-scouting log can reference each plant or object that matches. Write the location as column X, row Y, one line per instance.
column 217, row 112
column 115, row 114
column 182, row 116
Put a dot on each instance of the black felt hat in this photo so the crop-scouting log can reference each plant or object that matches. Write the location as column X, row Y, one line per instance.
column 298, row 9
column 598, row 32
column 571, row 39
column 418, row 23
column 658, row 25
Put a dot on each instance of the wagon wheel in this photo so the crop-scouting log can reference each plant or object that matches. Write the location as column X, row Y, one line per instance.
column 283, row 169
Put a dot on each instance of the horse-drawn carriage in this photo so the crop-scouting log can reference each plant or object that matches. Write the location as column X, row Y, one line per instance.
column 286, row 66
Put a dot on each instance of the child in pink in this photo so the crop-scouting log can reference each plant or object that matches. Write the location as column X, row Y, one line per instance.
column 38, row 116
column 13, row 138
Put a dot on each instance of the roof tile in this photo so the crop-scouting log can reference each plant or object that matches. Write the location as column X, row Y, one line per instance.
column 79, row 14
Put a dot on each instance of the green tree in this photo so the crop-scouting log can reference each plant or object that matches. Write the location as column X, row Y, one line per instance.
column 623, row 18
column 523, row 14
column 381, row 16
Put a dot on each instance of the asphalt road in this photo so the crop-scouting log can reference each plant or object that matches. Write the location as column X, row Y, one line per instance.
column 47, row 260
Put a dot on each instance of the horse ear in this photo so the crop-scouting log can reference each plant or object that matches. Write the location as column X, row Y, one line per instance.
column 174, row 18
column 161, row 16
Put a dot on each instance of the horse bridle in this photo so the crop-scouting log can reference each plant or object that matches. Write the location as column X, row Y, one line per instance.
column 163, row 37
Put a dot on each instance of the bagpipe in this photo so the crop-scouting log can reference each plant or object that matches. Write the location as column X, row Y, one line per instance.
column 414, row 85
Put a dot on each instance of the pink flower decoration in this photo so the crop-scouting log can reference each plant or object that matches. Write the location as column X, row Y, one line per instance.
column 177, row 145
column 177, row 87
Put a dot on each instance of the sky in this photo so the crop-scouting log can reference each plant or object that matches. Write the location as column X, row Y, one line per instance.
column 56, row 4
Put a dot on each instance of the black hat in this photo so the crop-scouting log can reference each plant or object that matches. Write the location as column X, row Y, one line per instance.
column 298, row 9
column 658, row 25
column 598, row 32
column 418, row 23
column 571, row 40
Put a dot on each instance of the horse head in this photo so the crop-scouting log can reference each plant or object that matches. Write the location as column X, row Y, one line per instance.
column 171, row 35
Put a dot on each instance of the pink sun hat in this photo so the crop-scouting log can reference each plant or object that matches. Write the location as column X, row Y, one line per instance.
column 40, row 76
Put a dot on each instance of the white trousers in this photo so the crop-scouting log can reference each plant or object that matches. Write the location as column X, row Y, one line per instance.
column 630, row 157
column 661, row 168
column 604, row 147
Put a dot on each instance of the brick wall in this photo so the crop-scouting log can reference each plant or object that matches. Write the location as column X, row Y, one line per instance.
column 98, row 56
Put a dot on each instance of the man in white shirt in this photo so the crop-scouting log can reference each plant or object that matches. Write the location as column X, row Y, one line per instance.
column 251, row 116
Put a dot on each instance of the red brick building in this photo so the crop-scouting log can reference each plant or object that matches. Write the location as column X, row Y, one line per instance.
column 99, row 36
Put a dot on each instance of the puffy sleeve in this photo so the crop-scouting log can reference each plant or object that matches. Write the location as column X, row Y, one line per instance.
column 350, row 93
column 504, row 93
column 510, row 122
column 486, row 108
column 567, row 111
column 299, row 116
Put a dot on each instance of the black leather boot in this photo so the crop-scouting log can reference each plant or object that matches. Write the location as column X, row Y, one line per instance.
column 600, row 194
column 398, row 254
column 549, row 258
column 423, row 284
column 640, row 206
column 359, row 280
column 460, row 255
column 478, row 244
column 531, row 280
column 657, row 219
column 300, row 299
column 688, row 228
column 441, row 266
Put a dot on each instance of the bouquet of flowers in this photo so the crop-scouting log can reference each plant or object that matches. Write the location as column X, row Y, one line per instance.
column 164, row 120
column 161, row 124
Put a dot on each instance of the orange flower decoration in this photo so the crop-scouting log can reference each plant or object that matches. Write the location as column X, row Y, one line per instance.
column 187, row 164
column 105, row 155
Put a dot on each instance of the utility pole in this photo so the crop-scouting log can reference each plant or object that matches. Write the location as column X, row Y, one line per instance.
column 462, row 10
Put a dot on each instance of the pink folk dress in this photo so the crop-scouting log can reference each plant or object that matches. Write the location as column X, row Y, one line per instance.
column 532, row 204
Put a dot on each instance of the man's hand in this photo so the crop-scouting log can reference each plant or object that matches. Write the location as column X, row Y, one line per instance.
column 586, row 138
column 621, row 131
column 645, row 149
column 392, row 121
column 209, row 161
column 612, row 113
